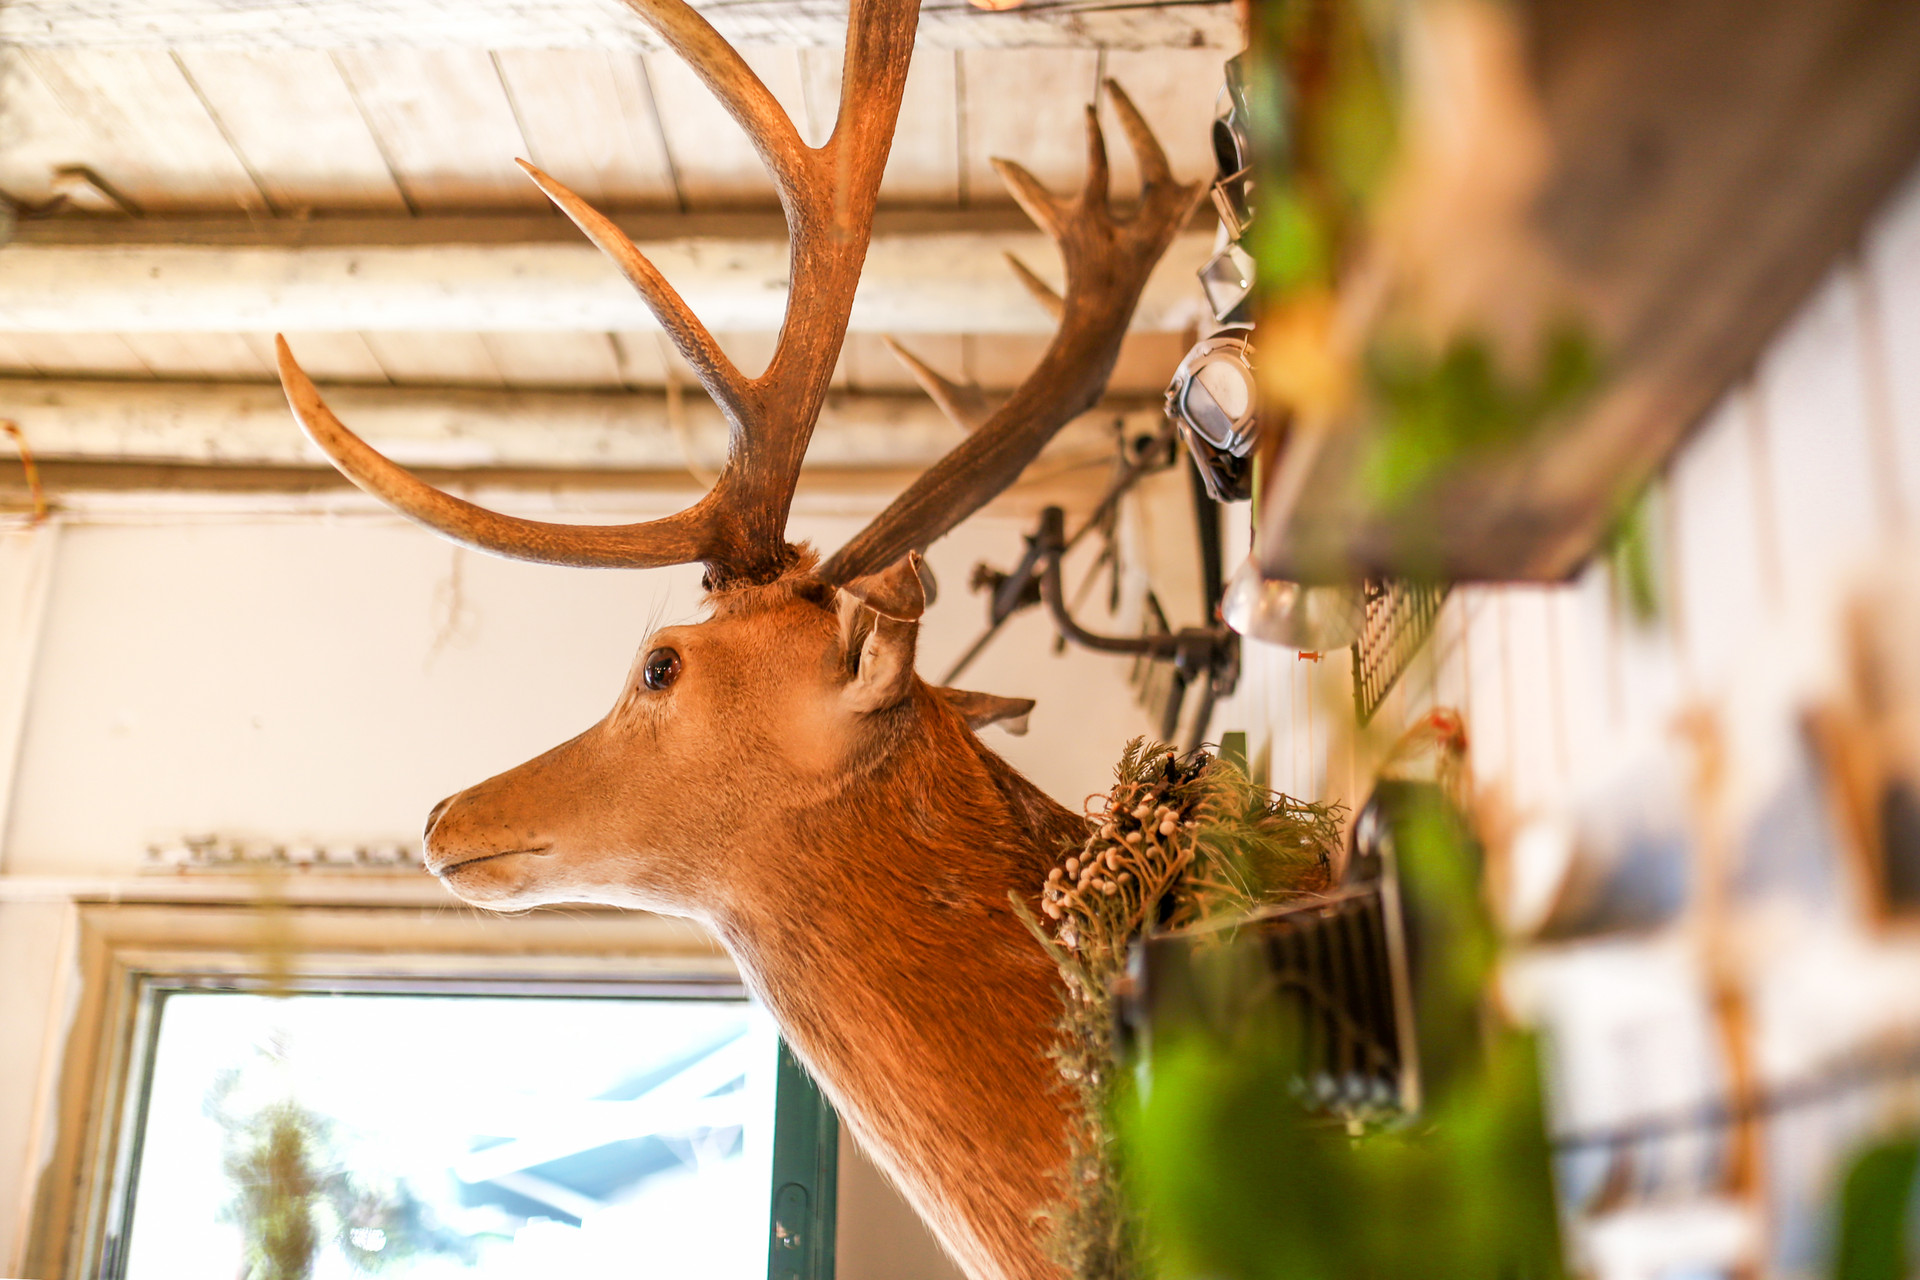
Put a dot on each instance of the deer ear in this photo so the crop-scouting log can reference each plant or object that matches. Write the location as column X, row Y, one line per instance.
column 901, row 591
column 885, row 675
column 982, row 709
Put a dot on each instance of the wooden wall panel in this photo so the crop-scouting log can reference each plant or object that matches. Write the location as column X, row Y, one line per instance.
column 138, row 122
column 1533, row 684
column 1488, row 716
column 589, row 121
column 1720, row 592
column 715, row 164
column 1581, row 624
column 294, row 122
column 445, row 125
column 1824, row 499
column 1891, row 267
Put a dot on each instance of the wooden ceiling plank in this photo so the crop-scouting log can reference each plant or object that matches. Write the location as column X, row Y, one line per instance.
column 554, row 359
column 324, row 355
column 443, row 121
column 923, row 166
column 144, row 129
column 456, row 359
column 292, row 117
column 716, row 165
column 41, row 135
column 871, row 367
column 214, row 422
column 586, row 24
column 588, row 120
column 1176, row 90
column 198, row 355
column 1026, row 105
column 80, row 353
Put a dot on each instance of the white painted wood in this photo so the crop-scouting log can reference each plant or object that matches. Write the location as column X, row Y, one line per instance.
column 1484, row 652
column 198, row 355
column 249, row 423
column 1646, row 649
column 326, row 356
column 941, row 283
column 62, row 353
column 923, row 166
column 294, row 122
column 444, row 124
column 456, row 359
column 553, row 359
column 1177, row 90
column 1818, row 446
column 137, row 121
column 26, row 577
column 580, row 24
column 714, row 163
column 588, row 120
column 1027, row 105
column 1720, row 595
column 1538, row 770
column 1891, row 263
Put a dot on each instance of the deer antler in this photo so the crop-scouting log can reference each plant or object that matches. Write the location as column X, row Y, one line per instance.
column 1108, row 260
column 828, row 193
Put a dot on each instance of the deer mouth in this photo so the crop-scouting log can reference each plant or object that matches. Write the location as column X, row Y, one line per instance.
column 448, row 868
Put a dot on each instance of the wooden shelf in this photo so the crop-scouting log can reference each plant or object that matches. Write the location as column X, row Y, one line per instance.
column 1711, row 160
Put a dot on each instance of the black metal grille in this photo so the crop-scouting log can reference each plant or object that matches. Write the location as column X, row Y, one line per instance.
column 1399, row 615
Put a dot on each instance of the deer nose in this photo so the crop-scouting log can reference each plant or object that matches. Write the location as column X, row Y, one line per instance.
column 433, row 818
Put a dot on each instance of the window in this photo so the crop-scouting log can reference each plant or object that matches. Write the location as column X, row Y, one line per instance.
column 427, row 1113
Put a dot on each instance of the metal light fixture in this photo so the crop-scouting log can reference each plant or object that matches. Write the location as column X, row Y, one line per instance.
column 1312, row 619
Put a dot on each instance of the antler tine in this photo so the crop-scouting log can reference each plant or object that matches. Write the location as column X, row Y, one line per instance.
column 678, row 539
column 1155, row 172
column 964, row 404
column 1042, row 291
column 1095, row 189
column 1031, row 195
column 1107, row 264
column 716, row 372
column 729, row 78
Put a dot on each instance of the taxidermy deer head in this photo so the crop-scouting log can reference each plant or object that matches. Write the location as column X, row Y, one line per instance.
column 778, row 771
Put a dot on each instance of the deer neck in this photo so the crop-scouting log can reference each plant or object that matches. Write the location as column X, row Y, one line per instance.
column 896, row 965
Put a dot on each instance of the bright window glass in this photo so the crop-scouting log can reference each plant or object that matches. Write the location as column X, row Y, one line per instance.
column 455, row 1135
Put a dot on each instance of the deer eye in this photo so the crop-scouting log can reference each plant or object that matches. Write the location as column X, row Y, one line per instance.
column 661, row 669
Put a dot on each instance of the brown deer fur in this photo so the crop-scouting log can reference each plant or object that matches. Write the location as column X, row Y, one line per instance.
column 859, row 873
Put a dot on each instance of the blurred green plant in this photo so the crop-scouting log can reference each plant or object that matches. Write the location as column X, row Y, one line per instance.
column 1629, row 549
column 295, row 1193
column 1431, row 412
column 1879, row 1201
column 1232, row 1179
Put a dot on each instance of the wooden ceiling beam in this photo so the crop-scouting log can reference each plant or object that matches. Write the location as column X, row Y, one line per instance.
column 595, row 24
column 249, row 424
column 926, row 273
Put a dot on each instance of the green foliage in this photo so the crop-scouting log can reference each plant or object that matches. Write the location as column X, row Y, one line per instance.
column 1877, row 1208
column 1629, row 548
column 1432, row 412
column 1234, row 1181
column 1324, row 128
